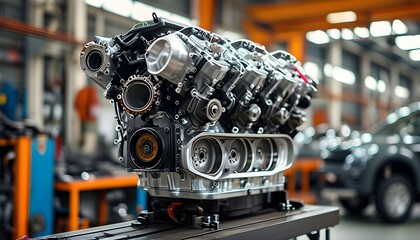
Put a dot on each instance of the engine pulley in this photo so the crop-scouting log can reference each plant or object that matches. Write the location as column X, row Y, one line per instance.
column 146, row 147
column 138, row 95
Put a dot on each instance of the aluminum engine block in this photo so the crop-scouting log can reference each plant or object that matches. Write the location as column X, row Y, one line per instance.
column 200, row 116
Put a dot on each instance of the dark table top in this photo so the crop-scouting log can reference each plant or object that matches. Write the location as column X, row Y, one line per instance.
column 268, row 225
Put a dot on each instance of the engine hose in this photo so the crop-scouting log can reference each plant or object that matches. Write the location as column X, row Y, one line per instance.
column 171, row 210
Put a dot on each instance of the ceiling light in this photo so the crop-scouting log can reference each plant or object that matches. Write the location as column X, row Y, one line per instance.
column 414, row 55
column 328, row 69
column 341, row 17
column 165, row 14
column 343, row 75
column 347, row 34
column 334, row 33
column 380, row 28
column 311, row 67
column 95, row 3
column 183, row 20
column 120, row 7
column 142, row 12
column 381, row 86
column 401, row 92
column 398, row 27
column 317, row 37
column 232, row 35
column 370, row 83
column 362, row 32
column 408, row 42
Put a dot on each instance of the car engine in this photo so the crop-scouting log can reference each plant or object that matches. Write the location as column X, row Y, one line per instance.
column 200, row 116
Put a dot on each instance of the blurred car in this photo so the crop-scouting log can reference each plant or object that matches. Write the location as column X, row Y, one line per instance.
column 311, row 141
column 383, row 166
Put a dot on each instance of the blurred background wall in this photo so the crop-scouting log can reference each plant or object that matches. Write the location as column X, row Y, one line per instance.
column 365, row 55
column 363, row 74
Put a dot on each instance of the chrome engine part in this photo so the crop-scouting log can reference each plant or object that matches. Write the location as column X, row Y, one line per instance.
column 200, row 116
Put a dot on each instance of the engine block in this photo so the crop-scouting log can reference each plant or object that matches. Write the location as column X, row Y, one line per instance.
column 200, row 116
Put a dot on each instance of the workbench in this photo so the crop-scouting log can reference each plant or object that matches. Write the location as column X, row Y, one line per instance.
column 75, row 187
column 310, row 219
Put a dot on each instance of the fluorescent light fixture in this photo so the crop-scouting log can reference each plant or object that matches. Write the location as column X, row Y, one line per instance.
column 334, row 33
column 341, row 17
column 181, row 19
column 347, row 34
column 317, row 37
column 401, row 92
column 398, row 27
column 328, row 69
column 95, row 3
column 380, row 28
column 375, row 85
column 136, row 10
column 164, row 14
column 343, row 75
column 361, row 32
column 230, row 34
column 120, row 7
column 381, row 86
column 414, row 55
column 142, row 12
column 370, row 83
column 408, row 42
column 312, row 69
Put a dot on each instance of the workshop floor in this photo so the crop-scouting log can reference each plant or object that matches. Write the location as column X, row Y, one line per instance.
column 369, row 226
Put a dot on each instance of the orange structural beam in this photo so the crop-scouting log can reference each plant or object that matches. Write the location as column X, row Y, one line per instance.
column 280, row 26
column 257, row 34
column 7, row 142
column 21, row 186
column 297, row 45
column 98, row 183
column 27, row 29
column 206, row 13
column 290, row 10
column 407, row 11
column 75, row 187
column 317, row 23
column 305, row 166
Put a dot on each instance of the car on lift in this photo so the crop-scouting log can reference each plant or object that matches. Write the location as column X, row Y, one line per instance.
column 382, row 166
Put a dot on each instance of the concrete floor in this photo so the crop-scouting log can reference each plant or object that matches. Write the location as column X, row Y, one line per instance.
column 369, row 226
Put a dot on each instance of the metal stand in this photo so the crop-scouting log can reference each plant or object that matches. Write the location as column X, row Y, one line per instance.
column 308, row 220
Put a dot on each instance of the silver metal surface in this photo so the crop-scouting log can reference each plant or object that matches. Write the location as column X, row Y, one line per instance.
column 200, row 116
column 209, row 171
column 94, row 61
column 167, row 57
